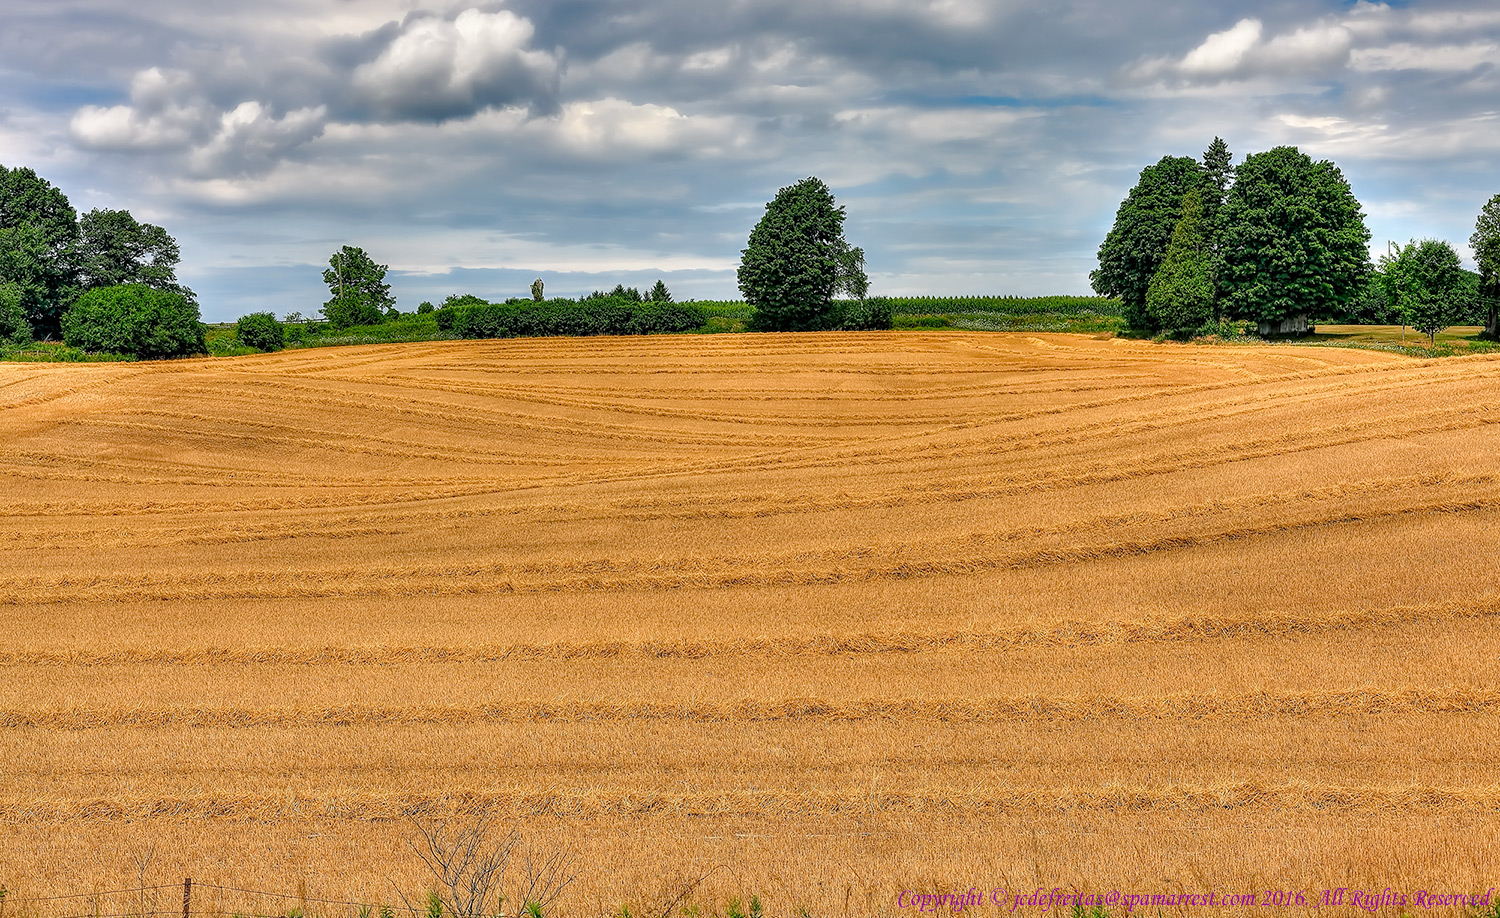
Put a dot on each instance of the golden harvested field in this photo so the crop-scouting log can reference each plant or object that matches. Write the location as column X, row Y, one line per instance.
column 826, row 617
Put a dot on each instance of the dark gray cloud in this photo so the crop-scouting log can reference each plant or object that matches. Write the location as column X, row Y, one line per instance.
column 979, row 145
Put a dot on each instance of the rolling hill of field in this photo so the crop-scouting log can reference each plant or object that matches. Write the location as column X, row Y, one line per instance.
column 825, row 617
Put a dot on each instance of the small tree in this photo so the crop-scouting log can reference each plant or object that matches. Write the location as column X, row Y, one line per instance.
column 1181, row 296
column 1425, row 281
column 536, row 290
column 660, row 293
column 796, row 260
column 261, row 331
column 1486, row 244
column 137, row 320
column 1133, row 250
column 360, row 294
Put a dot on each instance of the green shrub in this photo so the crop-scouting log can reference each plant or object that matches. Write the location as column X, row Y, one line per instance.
column 137, row 320
column 261, row 331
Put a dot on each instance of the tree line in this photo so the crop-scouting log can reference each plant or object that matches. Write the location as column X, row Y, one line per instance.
column 1278, row 240
column 101, row 281
column 793, row 267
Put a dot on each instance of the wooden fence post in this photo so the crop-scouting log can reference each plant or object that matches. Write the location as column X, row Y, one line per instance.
column 187, row 895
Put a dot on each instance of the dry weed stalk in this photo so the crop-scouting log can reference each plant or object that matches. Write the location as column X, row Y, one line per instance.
column 471, row 861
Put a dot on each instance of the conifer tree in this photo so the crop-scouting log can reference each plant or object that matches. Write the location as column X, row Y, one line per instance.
column 1180, row 299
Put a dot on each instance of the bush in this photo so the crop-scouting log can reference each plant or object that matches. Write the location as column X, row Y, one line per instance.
column 261, row 331
column 137, row 320
column 607, row 315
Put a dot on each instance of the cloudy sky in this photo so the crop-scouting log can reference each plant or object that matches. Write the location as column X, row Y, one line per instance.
column 980, row 146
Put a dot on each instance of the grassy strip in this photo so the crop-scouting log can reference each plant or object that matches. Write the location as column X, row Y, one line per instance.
column 55, row 352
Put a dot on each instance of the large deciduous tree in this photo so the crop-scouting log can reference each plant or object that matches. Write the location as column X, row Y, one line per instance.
column 1181, row 296
column 360, row 294
column 1426, row 283
column 1294, row 241
column 1133, row 250
column 1486, row 245
column 797, row 259
column 113, row 248
column 38, row 236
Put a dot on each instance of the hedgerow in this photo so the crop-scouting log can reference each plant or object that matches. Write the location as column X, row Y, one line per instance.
column 611, row 315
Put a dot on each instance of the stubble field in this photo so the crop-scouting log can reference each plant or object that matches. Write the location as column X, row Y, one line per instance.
column 825, row 617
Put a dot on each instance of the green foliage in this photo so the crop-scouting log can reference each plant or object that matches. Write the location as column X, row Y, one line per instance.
column 796, row 260
column 873, row 313
column 1086, row 306
column 606, row 315
column 221, row 341
column 1426, row 283
column 137, row 320
column 1368, row 306
column 434, row 904
column 24, row 264
column 462, row 299
column 621, row 292
column 424, row 308
column 1294, row 239
column 536, row 290
column 405, row 328
column 114, row 249
column 1220, row 175
column 851, row 271
column 360, row 295
column 1181, row 296
column 14, row 329
column 1486, row 244
column 660, row 293
column 261, row 331
column 1133, row 250
column 48, row 241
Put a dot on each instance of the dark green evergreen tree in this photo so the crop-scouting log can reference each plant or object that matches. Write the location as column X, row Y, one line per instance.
column 1220, row 174
column 1132, row 252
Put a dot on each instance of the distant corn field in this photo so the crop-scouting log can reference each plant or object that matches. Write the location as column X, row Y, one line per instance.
column 823, row 617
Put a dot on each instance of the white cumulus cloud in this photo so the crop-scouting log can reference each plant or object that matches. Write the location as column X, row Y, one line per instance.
column 438, row 69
